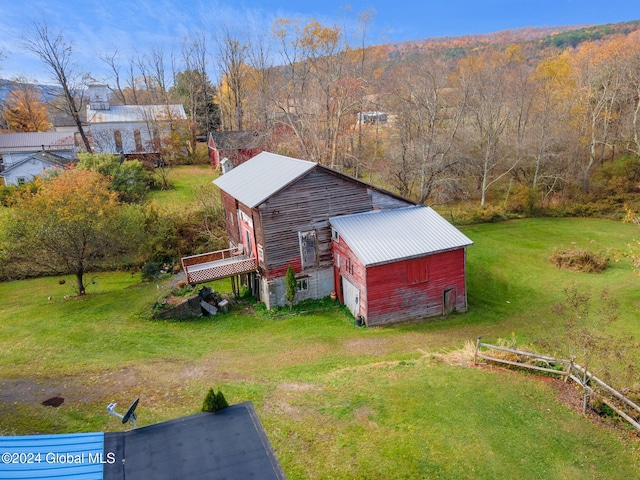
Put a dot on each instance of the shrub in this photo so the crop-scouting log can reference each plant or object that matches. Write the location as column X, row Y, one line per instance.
column 291, row 285
column 128, row 178
column 214, row 401
column 150, row 271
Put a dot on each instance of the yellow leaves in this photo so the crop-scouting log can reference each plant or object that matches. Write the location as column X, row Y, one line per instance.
column 25, row 112
column 317, row 37
column 312, row 35
column 555, row 70
column 74, row 195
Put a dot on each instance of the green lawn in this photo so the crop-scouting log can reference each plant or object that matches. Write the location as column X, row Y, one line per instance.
column 185, row 180
column 336, row 401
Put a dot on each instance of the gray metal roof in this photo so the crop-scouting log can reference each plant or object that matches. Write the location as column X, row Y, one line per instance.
column 34, row 141
column 135, row 113
column 384, row 236
column 259, row 178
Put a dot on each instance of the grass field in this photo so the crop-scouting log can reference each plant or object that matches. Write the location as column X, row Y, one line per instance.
column 336, row 401
column 185, row 181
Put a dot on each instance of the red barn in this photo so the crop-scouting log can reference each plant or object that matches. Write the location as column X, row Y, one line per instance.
column 400, row 264
column 387, row 258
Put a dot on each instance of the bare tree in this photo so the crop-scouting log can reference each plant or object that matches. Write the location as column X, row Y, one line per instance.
column 193, row 87
column 233, row 60
column 487, row 77
column 57, row 54
column 111, row 60
column 263, row 77
column 429, row 116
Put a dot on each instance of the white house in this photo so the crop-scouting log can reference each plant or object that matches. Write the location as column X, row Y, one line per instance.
column 127, row 129
column 15, row 147
column 31, row 166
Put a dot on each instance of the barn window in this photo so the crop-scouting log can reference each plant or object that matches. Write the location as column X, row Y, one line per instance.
column 21, row 180
column 348, row 265
column 117, row 137
column 335, row 235
column 260, row 253
column 138, row 139
column 308, row 243
column 417, row 270
column 302, row 284
column 231, row 218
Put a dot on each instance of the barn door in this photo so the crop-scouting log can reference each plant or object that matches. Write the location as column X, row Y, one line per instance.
column 449, row 301
column 351, row 297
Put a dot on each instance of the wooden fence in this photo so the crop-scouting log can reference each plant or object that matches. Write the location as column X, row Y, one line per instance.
column 569, row 370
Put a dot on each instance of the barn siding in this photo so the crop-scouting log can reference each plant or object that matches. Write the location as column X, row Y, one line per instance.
column 357, row 274
column 231, row 218
column 307, row 205
column 259, row 232
column 380, row 201
column 391, row 298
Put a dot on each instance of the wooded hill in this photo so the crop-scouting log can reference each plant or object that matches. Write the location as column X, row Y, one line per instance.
column 534, row 119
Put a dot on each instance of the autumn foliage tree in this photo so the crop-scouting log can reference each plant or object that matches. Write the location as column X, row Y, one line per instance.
column 24, row 110
column 68, row 223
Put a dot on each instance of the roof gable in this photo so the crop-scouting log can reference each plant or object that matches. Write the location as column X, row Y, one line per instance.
column 384, row 236
column 266, row 174
column 254, row 181
column 46, row 158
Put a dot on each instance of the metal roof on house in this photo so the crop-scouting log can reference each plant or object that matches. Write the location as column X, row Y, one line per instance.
column 36, row 141
column 66, row 456
column 262, row 176
column 384, row 236
column 135, row 113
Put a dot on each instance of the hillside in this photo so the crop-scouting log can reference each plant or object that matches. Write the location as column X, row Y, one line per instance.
column 48, row 92
column 537, row 38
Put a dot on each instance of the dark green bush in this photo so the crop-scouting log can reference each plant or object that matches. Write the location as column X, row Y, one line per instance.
column 150, row 271
column 214, row 401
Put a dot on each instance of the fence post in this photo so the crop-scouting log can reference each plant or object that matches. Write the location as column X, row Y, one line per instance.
column 475, row 355
column 569, row 370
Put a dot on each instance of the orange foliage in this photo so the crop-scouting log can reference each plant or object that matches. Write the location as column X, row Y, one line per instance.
column 25, row 112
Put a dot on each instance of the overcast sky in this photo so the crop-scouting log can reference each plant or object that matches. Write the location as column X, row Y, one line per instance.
column 97, row 26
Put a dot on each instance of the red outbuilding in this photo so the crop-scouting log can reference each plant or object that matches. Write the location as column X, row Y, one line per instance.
column 399, row 264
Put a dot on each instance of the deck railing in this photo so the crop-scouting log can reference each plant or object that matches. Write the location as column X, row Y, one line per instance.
column 211, row 256
column 211, row 266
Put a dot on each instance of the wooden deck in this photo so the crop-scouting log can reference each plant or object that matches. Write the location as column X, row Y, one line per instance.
column 216, row 265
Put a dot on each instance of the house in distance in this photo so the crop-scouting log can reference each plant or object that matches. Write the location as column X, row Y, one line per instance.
column 388, row 259
column 24, row 156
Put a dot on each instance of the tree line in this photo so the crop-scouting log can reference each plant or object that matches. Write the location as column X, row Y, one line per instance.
column 538, row 121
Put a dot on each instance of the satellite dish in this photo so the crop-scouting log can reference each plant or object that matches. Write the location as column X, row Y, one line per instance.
column 131, row 413
column 130, row 416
